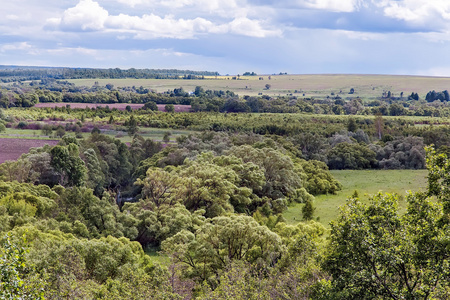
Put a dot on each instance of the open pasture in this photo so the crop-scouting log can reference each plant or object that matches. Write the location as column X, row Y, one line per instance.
column 366, row 86
column 13, row 148
column 119, row 106
column 367, row 183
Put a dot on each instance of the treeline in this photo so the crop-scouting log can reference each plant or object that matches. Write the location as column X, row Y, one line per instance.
column 31, row 73
column 201, row 100
column 19, row 96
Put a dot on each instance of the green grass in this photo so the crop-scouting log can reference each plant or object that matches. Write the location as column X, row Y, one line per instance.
column 155, row 134
column 24, row 134
column 157, row 257
column 366, row 183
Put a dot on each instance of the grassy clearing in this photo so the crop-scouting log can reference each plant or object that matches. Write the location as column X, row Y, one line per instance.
column 12, row 133
column 155, row 134
column 157, row 257
column 366, row 183
column 366, row 86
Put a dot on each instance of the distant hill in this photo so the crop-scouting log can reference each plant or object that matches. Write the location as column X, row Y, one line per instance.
column 21, row 73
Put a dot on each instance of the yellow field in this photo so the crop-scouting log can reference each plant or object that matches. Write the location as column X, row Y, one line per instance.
column 366, row 86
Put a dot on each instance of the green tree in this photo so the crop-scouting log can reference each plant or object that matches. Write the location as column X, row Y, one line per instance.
column 67, row 162
column 351, row 156
column 221, row 240
column 132, row 125
column 170, row 108
column 351, row 126
column 308, row 210
column 13, row 269
column 283, row 176
column 95, row 175
column 166, row 137
column 47, row 130
column 151, row 105
column 377, row 253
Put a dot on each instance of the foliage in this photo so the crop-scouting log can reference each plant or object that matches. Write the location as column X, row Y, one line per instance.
column 351, row 156
column 13, row 270
column 68, row 164
column 221, row 240
column 318, row 178
column 375, row 252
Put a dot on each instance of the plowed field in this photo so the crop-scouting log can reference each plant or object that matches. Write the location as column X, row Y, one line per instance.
column 12, row 149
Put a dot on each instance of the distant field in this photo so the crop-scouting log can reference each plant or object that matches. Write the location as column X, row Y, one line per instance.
column 310, row 85
column 366, row 182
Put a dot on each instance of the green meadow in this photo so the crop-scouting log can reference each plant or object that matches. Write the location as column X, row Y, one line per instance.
column 366, row 183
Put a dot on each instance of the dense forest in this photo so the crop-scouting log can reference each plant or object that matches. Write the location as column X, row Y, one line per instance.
column 12, row 74
column 201, row 217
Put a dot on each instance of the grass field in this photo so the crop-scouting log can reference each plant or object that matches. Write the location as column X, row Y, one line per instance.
column 24, row 134
column 366, row 183
column 155, row 134
column 367, row 86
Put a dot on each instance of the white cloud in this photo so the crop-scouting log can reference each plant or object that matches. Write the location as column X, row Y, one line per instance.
column 213, row 6
column 247, row 27
column 152, row 26
column 364, row 36
column 90, row 16
column 131, row 3
column 216, row 6
column 332, row 5
column 74, row 51
column 418, row 12
column 15, row 47
column 87, row 15
column 12, row 17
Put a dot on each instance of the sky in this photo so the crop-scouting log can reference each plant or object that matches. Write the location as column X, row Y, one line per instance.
column 404, row 37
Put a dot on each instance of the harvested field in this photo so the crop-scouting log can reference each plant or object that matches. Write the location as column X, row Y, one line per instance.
column 119, row 106
column 365, row 86
column 12, row 149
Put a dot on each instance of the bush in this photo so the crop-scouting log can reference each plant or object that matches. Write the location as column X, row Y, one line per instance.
column 351, row 156
column 22, row 125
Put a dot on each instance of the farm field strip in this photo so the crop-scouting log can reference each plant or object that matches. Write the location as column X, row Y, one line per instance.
column 310, row 85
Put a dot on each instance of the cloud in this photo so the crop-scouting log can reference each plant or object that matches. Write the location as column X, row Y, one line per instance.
column 418, row 12
column 15, row 47
column 324, row 5
column 253, row 28
column 153, row 26
column 212, row 6
column 131, row 3
column 332, row 5
column 88, row 15
column 364, row 36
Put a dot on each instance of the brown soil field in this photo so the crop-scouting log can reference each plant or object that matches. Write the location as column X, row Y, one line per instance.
column 119, row 106
column 12, row 149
